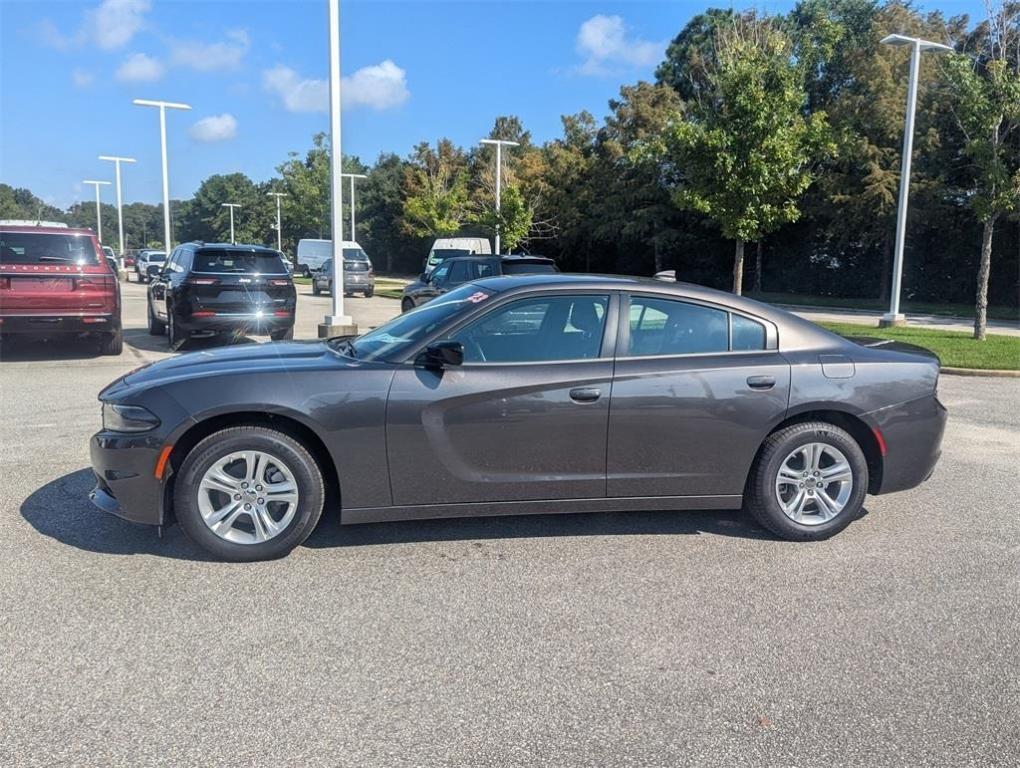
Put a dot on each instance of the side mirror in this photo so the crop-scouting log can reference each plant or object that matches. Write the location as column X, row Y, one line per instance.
column 424, row 277
column 444, row 353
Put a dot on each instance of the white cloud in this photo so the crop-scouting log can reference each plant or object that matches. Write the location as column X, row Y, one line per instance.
column 211, row 57
column 214, row 128
column 604, row 43
column 82, row 79
column 139, row 68
column 380, row 86
column 110, row 25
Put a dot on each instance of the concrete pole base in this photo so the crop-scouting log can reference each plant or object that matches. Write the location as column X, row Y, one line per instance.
column 329, row 330
column 892, row 321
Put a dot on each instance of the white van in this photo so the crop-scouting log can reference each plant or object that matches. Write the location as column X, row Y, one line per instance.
column 311, row 254
column 445, row 247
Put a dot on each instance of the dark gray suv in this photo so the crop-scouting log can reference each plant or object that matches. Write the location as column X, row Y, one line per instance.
column 458, row 270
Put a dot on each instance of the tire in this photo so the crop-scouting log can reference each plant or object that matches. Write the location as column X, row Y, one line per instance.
column 369, row 293
column 156, row 326
column 406, row 305
column 190, row 499
column 282, row 335
column 315, row 288
column 817, row 521
column 111, row 343
column 175, row 339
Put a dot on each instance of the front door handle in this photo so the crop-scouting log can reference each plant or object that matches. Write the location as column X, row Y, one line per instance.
column 761, row 382
column 585, row 394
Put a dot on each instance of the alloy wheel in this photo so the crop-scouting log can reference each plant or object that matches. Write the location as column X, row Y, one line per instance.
column 248, row 497
column 814, row 484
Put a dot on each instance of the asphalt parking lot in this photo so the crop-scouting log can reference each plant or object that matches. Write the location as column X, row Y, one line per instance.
column 636, row 639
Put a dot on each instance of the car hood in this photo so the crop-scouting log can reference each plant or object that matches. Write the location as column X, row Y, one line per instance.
column 417, row 285
column 224, row 361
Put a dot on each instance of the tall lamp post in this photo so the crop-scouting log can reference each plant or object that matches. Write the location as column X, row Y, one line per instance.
column 352, row 177
column 336, row 323
column 120, row 202
column 499, row 143
column 917, row 45
column 99, row 212
column 279, row 226
column 163, row 107
column 231, row 206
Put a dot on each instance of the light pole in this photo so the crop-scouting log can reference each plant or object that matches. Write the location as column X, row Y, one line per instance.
column 120, row 203
column 231, row 206
column 917, row 45
column 279, row 230
column 163, row 107
column 499, row 171
column 352, row 177
column 336, row 323
column 99, row 213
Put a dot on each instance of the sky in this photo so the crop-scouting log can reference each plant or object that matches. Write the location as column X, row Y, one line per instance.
column 255, row 74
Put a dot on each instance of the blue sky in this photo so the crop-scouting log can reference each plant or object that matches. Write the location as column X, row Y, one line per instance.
column 255, row 72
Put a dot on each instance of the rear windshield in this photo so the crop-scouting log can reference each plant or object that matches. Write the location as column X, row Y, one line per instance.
column 355, row 254
column 46, row 248
column 528, row 268
column 225, row 260
column 156, row 258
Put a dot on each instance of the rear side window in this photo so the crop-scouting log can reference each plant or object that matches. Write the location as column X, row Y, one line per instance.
column 528, row 268
column 46, row 248
column 748, row 335
column 225, row 260
column 667, row 327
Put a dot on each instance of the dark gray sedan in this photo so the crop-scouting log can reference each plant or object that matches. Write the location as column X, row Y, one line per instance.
column 532, row 394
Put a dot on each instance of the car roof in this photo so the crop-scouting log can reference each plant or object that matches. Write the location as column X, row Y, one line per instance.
column 46, row 230
column 506, row 257
column 232, row 247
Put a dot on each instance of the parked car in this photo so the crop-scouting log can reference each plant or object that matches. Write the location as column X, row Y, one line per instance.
column 206, row 289
column 55, row 281
column 449, row 247
column 111, row 259
column 533, row 394
column 147, row 259
column 312, row 254
column 462, row 269
column 359, row 276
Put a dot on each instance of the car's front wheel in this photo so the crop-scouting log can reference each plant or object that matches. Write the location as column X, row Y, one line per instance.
column 249, row 493
column 808, row 482
column 406, row 305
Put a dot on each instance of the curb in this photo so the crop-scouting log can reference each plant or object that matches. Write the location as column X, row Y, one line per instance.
column 988, row 373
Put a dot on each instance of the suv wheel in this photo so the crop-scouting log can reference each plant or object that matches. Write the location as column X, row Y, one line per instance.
column 111, row 343
column 249, row 493
column 808, row 482
column 174, row 336
column 156, row 326
column 316, row 291
column 406, row 305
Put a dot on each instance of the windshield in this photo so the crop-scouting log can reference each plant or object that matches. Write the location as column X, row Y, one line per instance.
column 408, row 329
column 220, row 260
column 46, row 248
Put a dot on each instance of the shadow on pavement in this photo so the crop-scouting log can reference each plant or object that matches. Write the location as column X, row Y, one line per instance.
column 16, row 349
column 142, row 340
column 61, row 510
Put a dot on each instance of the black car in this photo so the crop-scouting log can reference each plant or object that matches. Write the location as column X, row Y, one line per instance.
column 214, row 288
column 457, row 270
column 523, row 395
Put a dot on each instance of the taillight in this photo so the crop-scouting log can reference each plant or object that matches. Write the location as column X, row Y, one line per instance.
column 281, row 313
column 202, row 281
column 101, row 284
column 5, row 283
column 279, row 283
column 203, row 313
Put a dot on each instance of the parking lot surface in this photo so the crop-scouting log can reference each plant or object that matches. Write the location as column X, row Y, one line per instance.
column 631, row 639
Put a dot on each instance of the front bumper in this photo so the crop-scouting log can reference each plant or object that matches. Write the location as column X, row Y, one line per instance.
column 126, row 484
column 59, row 324
column 913, row 436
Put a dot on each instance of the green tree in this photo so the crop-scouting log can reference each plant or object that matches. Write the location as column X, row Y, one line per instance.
column 743, row 151
column 436, row 191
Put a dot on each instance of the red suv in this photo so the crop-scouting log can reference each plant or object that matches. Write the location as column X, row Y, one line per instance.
column 55, row 281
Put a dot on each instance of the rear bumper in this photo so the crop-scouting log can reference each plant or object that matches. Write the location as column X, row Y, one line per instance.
column 225, row 322
column 126, row 484
column 59, row 324
column 913, row 437
column 353, row 282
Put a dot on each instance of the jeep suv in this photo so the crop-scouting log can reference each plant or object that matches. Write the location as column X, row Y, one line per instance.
column 55, row 281
column 456, row 270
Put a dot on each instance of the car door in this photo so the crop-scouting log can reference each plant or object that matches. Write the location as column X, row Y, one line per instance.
column 696, row 389
column 525, row 416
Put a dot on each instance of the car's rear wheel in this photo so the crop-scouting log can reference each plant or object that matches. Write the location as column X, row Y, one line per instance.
column 369, row 293
column 808, row 482
column 173, row 335
column 249, row 493
column 156, row 326
column 316, row 291
column 406, row 305
column 111, row 343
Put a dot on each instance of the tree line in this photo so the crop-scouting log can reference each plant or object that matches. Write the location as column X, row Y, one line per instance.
column 764, row 157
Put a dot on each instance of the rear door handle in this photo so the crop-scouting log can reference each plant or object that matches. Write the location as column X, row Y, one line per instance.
column 585, row 394
column 761, row 382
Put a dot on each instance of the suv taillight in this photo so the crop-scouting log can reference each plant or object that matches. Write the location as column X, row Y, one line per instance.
column 100, row 283
column 202, row 281
column 279, row 283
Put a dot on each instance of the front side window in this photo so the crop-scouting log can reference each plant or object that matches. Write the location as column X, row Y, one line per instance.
column 538, row 329
column 668, row 327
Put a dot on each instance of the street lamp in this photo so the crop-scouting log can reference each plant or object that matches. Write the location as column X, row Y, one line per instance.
column 499, row 170
column 163, row 107
column 231, row 206
column 99, row 213
column 120, row 203
column 352, row 177
column 917, row 45
column 279, row 231
column 336, row 323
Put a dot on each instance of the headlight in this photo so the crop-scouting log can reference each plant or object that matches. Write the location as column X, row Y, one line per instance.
column 127, row 418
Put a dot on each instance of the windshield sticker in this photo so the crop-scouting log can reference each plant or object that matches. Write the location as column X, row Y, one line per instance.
column 477, row 297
